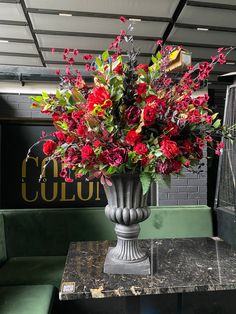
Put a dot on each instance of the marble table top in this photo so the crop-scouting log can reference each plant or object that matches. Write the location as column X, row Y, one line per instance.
column 177, row 266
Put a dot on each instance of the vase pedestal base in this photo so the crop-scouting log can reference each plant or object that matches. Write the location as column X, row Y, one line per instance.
column 112, row 266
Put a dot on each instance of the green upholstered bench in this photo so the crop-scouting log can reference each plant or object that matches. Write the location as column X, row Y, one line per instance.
column 37, row 299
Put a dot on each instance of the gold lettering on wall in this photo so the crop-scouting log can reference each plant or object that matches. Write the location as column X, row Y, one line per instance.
column 55, row 184
column 23, row 184
column 49, row 191
column 79, row 191
column 63, row 194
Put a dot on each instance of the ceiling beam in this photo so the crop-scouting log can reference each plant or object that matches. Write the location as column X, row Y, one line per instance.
column 82, row 34
column 211, row 5
column 32, row 31
column 99, row 15
column 19, row 54
column 63, row 62
column 91, row 51
column 11, row 22
column 9, row 1
column 171, row 24
column 17, row 40
column 209, row 27
column 196, row 45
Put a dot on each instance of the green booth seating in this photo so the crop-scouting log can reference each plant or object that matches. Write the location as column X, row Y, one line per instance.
column 34, row 242
column 36, row 299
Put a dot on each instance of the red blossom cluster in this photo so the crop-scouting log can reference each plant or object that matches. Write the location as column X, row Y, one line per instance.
column 161, row 132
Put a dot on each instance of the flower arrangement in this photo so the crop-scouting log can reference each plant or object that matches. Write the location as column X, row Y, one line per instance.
column 134, row 118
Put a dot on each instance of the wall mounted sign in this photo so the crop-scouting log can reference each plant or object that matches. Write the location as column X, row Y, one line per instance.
column 20, row 185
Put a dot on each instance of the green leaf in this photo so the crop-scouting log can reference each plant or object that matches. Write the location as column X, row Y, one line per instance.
column 154, row 59
column 110, row 128
column 45, row 95
column 217, row 123
column 98, row 62
column 58, row 93
column 36, row 98
column 158, row 55
column 214, row 115
column 101, row 79
column 145, row 179
column 105, row 55
column 111, row 170
column 158, row 153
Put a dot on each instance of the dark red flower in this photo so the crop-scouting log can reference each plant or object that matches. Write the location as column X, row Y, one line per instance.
column 114, row 157
column 133, row 114
column 172, row 129
column 132, row 137
column 81, row 130
column 118, row 69
column 187, row 147
column 69, row 140
column 63, row 173
column 157, row 103
column 49, row 147
column 87, row 152
column 143, row 67
column 141, row 149
column 141, row 88
column 168, row 166
column 169, row 149
column 194, row 116
column 149, row 115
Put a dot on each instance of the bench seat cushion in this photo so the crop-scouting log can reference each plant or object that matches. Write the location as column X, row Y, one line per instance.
column 26, row 299
column 36, row 270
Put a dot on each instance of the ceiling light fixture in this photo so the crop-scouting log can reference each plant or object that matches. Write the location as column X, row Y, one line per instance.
column 232, row 63
column 65, row 14
column 202, row 29
column 135, row 20
column 4, row 41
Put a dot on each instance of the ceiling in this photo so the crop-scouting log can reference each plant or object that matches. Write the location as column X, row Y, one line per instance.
column 30, row 28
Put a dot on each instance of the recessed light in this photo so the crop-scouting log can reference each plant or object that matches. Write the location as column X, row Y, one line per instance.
column 232, row 63
column 202, row 29
column 65, row 14
column 135, row 20
column 4, row 41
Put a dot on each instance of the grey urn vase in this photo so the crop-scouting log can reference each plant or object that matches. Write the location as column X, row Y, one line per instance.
column 127, row 207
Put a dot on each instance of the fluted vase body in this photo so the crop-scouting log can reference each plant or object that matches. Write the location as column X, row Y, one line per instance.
column 127, row 207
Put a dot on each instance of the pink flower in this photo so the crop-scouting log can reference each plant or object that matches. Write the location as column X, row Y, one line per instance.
column 159, row 42
column 53, row 50
column 122, row 19
column 69, row 180
column 87, row 67
column 66, row 51
column 219, row 148
column 58, row 72
column 75, row 52
column 71, row 60
column 87, row 57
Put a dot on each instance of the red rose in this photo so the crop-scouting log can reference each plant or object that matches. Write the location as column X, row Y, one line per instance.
column 97, row 144
column 87, row 152
column 49, row 147
column 77, row 114
column 169, row 149
column 132, row 137
column 118, row 69
column 141, row 149
column 60, row 136
column 149, row 115
column 133, row 114
column 143, row 67
column 69, row 140
column 99, row 96
column 81, row 130
column 141, row 88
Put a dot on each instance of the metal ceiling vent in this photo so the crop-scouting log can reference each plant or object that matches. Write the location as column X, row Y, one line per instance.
column 225, row 200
